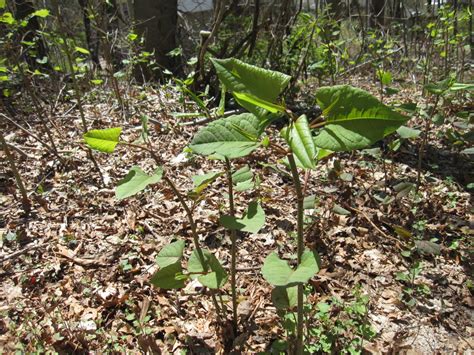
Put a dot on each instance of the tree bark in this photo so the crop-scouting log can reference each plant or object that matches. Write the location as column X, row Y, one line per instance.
column 24, row 8
column 157, row 21
column 377, row 13
column 91, row 36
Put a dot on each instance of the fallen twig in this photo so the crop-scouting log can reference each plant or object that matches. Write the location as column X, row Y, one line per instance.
column 374, row 225
column 23, row 251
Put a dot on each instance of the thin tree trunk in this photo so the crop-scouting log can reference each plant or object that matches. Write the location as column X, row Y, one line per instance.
column 24, row 9
column 91, row 37
column 157, row 22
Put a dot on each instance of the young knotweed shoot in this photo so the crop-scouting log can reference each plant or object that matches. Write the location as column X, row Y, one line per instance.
column 236, row 137
column 354, row 120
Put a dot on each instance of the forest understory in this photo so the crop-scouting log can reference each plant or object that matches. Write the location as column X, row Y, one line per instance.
column 75, row 273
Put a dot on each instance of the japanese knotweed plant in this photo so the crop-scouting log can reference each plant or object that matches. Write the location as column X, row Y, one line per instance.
column 354, row 119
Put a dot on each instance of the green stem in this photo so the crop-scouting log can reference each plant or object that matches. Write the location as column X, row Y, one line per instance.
column 233, row 248
column 142, row 147
column 300, row 248
column 195, row 237
column 189, row 214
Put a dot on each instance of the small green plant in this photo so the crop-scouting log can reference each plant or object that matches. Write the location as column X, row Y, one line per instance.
column 438, row 90
column 333, row 326
column 412, row 289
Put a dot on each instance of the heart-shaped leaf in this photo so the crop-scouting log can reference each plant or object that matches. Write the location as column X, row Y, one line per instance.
column 285, row 297
column 243, row 179
column 170, row 254
column 252, row 221
column 136, row 181
column 215, row 277
column 169, row 277
column 201, row 182
column 103, row 140
column 278, row 273
column 233, row 137
column 355, row 118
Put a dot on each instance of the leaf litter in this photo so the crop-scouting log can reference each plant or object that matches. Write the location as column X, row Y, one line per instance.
column 75, row 275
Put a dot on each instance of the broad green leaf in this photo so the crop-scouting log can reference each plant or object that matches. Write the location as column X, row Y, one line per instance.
column 222, row 136
column 241, row 175
column 2, row 4
column 337, row 209
column 103, row 140
column 201, row 182
column 403, row 189
column 309, row 202
column 243, row 98
column 169, row 277
column 205, row 179
column 407, row 132
column 323, row 153
column 285, row 297
column 240, row 77
column 215, row 277
column 41, row 13
column 440, row 87
column 170, row 254
column 391, row 91
column 409, row 107
column 251, row 222
column 244, row 186
column 243, row 179
column 385, row 77
column 278, row 273
column 355, row 118
column 136, row 181
column 299, row 138
column 320, row 154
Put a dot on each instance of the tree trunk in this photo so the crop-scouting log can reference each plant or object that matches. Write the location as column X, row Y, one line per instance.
column 24, row 8
column 377, row 13
column 156, row 21
column 337, row 7
column 91, row 36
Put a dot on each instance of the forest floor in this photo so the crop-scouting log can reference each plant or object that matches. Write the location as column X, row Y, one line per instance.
column 74, row 275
